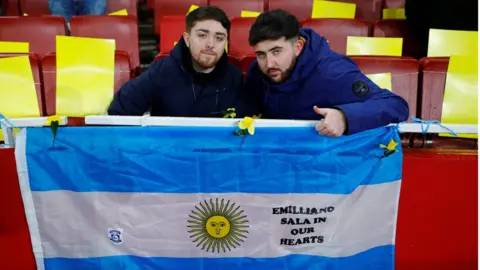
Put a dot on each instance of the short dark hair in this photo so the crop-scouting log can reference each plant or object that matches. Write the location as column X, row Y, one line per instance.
column 207, row 13
column 273, row 25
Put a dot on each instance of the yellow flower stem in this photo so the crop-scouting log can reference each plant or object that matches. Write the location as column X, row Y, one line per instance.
column 243, row 141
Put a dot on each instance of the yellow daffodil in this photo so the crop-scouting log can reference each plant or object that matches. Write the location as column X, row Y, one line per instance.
column 53, row 118
column 391, row 145
column 247, row 124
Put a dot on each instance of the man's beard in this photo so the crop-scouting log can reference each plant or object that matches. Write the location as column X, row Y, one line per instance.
column 284, row 74
column 202, row 65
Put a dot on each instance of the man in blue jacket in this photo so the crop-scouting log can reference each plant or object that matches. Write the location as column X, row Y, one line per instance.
column 195, row 80
column 297, row 76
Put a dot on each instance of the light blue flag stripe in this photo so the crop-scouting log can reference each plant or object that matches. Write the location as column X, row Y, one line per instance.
column 379, row 258
column 207, row 160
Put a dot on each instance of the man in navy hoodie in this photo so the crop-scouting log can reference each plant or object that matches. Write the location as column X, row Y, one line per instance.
column 196, row 80
column 297, row 76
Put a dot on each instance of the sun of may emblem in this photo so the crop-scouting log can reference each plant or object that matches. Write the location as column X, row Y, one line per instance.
column 217, row 226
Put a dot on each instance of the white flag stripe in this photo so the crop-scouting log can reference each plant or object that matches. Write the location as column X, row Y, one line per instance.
column 155, row 224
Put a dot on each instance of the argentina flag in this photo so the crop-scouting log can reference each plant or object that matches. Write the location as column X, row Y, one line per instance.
column 192, row 197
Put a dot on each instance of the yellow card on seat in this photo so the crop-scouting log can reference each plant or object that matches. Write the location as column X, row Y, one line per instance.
column 14, row 47
column 330, row 9
column 460, row 100
column 122, row 12
column 85, row 75
column 381, row 46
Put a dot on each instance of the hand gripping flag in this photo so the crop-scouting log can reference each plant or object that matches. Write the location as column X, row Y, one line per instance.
column 202, row 198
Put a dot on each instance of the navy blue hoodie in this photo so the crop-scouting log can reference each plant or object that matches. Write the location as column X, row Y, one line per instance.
column 328, row 80
column 171, row 87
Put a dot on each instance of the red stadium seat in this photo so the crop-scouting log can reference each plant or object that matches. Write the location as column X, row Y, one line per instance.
column 434, row 75
column 35, row 64
column 234, row 8
column 404, row 72
column 35, row 7
column 172, row 28
column 238, row 46
column 40, row 7
column 302, row 9
column 394, row 4
column 369, row 10
column 10, row 7
column 40, row 32
column 116, row 5
column 238, row 42
column 173, row 8
column 150, row 4
column 246, row 62
column 398, row 28
column 49, row 69
column 160, row 56
column 336, row 31
column 234, row 60
column 123, row 29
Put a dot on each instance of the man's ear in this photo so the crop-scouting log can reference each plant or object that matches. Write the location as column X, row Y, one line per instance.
column 298, row 46
column 186, row 38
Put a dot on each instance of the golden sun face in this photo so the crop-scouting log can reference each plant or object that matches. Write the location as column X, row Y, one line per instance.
column 217, row 226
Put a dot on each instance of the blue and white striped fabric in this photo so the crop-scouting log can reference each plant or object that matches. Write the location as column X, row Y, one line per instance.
column 191, row 198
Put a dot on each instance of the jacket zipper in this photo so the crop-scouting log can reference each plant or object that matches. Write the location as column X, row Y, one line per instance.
column 193, row 92
column 191, row 82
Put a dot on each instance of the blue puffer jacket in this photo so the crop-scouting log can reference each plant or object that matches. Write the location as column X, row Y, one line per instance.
column 328, row 80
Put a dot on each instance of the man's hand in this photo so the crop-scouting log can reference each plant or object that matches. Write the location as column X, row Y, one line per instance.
column 333, row 124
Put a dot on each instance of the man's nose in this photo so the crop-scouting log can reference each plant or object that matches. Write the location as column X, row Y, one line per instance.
column 270, row 62
column 210, row 42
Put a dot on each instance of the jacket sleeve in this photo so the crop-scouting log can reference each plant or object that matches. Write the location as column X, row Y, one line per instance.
column 375, row 108
column 136, row 96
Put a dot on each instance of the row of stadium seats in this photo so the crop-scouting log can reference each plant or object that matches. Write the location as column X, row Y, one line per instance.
column 40, row 32
column 369, row 10
column 420, row 83
column 366, row 9
column 40, row 7
column 335, row 30
column 44, row 74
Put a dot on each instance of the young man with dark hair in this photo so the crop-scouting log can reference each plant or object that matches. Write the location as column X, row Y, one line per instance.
column 297, row 76
column 195, row 80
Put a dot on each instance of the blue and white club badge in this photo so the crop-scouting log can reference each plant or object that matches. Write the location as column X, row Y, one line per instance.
column 116, row 235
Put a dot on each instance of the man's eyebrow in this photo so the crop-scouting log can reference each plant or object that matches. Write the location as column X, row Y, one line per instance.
column 272, row 49
column 275, row 48
column 208, row 31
